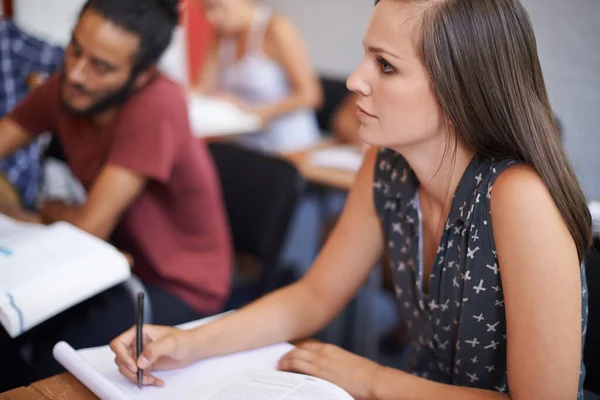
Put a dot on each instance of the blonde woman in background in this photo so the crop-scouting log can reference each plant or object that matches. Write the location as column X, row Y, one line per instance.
column 259, row 61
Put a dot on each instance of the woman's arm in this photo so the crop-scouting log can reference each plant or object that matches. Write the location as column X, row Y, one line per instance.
column 296, row 311
column 289, row 50
column 542, row 291
column 541, row 281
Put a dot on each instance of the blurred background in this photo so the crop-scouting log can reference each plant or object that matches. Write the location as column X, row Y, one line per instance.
column 567, row 32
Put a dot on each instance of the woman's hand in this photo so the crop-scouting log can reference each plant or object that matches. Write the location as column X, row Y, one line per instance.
column 165, row 347
column 355, row 374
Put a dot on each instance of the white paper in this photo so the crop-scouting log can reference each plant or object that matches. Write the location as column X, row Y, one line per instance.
column 59, row 183
column 216, row 117
column 61, row 261
column 96, row 369
column 271, row 385
column 347, row 158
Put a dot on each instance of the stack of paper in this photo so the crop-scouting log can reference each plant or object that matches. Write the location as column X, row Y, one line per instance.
column 347, row 158
column 246, row 375
column 214, row 117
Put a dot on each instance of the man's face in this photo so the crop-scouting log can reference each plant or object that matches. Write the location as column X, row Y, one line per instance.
column 99, row 61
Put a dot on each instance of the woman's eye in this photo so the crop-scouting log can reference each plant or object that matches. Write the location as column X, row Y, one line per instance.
column 386, row 68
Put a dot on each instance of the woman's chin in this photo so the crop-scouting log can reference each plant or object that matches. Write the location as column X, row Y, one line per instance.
column 369, row 137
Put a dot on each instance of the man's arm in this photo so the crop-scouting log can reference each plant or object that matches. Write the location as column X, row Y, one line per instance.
column 112, row 193
column 12, row 137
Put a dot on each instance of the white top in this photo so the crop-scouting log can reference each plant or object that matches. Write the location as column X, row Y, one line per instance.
column 257, row 79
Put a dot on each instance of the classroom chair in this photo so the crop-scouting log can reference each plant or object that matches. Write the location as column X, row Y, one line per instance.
column 334, row 93
column 260, row 192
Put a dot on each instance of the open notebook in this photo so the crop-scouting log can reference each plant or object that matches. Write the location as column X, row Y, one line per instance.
column 246, row 375
column 216, row 117
column 343, row 157
column 46, row 269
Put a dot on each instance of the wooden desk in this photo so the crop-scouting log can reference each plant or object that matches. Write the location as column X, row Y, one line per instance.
column 336, row 178
column 60, row 387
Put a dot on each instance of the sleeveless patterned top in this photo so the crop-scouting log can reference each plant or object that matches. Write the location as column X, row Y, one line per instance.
column 458, row 329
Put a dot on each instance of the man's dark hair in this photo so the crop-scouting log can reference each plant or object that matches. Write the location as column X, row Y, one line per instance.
column 152, row 20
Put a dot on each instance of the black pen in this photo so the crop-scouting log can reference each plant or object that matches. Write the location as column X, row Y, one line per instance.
column 139, row 337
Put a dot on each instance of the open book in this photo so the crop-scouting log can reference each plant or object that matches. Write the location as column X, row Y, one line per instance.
column 246, row 375
column 218, row 117
column 46, row 269
column 342, row 157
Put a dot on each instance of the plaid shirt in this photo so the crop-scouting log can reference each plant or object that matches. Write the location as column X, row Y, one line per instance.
column 20, row 56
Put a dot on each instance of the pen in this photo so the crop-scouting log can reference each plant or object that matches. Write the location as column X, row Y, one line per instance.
column 139, row 343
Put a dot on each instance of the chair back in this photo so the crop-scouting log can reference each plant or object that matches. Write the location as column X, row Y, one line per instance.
column 334, row 93
column 591, row 354
column 260, row 192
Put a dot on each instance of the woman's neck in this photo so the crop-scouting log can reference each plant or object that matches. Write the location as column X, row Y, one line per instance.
column 439, row 167
column 246, row 19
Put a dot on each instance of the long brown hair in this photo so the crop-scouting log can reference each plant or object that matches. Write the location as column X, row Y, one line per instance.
column 482, row 59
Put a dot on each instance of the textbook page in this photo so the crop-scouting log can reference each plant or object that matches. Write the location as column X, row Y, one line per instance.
column 344, row 157
column 218, row 117
column 46, row 269
column 270, row 385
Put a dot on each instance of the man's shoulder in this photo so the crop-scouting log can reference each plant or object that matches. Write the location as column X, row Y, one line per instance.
column 161, row 91
column 161, row 100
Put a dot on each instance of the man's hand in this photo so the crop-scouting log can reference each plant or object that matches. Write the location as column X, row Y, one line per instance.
column 18, row 213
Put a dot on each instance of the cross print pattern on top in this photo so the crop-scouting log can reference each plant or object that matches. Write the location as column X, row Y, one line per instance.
column 458, row 329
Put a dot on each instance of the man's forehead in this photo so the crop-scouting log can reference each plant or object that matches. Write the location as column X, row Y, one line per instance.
column 104, row 39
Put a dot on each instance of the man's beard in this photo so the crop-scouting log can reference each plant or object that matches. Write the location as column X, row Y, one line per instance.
column 108, row 101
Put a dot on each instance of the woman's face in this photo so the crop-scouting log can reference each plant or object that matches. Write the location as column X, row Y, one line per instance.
column 397, row 107
column 224, row 15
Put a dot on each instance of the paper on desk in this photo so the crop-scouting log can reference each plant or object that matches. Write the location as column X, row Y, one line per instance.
column 211, row 116
column 96, row 369
column 347, row 158
column 271, row 385
column 11, row 228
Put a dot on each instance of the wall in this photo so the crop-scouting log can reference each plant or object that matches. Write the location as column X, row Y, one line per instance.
column 568, row 34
